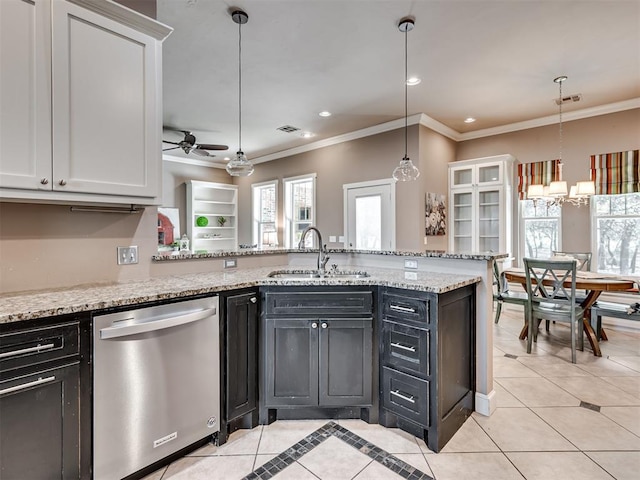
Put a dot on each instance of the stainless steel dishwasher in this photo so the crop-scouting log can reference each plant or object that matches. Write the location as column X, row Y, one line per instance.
column 156, row 383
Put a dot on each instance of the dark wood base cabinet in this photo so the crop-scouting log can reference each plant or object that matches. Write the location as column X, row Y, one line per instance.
column 45, row 399
column 317, row 351
column 427, row 362
column 239, row 360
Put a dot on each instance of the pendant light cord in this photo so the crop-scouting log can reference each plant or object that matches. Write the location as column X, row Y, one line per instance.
column 560, row 99
column 240, row 87
column 406, row 31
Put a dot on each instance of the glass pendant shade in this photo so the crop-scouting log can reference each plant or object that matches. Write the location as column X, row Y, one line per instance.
column 405, row 171
column 239, row 166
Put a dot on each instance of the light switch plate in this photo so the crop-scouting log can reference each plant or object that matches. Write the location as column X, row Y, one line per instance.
column 128, row 255
column 332, row 238
column 230, row 262
column 410, row 264
column 411, row 275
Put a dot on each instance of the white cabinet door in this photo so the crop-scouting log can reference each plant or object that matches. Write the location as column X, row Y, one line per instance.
column 105, row 95
column 25, row 99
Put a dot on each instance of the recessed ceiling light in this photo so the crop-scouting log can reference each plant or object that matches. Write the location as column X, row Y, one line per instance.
column 469, row 120
column 324, row 113
column 411, row 81
column 306, row 134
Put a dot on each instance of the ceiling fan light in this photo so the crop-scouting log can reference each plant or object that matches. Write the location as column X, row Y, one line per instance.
column 239, row 166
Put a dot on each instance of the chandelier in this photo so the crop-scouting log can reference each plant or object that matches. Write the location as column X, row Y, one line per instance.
column 556, row 192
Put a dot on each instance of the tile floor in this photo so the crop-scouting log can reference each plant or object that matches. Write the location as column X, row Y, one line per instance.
column 554, row 420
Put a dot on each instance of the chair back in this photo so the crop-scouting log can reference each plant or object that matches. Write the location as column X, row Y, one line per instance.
column 499, row 280
column 552, row 282
column 583, row 259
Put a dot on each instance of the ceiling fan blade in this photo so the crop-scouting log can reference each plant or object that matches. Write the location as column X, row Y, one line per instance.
column 201, row 153
column 167, row 149
column 211, row 146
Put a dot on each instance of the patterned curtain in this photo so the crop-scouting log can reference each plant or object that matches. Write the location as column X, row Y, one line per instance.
column 536, row 173
column 617, row 172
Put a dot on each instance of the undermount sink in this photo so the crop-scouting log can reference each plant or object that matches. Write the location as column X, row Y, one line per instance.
column 311, row 274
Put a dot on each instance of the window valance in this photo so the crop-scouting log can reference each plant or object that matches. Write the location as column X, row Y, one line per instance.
column 536, row 173
column 617, row 172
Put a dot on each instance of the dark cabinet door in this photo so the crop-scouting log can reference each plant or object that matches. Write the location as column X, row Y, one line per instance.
column 39, row 434
column 291, row 352
column 242, row 359
column 345, row 363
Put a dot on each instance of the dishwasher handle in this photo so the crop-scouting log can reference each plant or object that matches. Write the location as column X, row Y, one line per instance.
column 152, row 325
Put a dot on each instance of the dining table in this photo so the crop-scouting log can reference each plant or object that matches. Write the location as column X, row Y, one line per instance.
column 594, row 284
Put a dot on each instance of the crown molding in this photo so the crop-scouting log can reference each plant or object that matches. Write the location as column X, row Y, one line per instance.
column 552, row 119
column 427, row 121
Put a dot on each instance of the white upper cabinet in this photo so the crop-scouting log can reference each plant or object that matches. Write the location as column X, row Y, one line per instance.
column 86, row 121
column 480, row 205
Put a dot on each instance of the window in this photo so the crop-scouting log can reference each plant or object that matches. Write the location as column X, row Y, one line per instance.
column 264, row 199
column 299, row 208
column 539, row 229
column 616, row 233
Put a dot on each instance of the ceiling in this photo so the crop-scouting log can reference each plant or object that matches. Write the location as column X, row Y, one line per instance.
column 492, row 60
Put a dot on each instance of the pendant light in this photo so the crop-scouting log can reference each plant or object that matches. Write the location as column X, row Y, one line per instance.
column 239, row 165
column 406, row 170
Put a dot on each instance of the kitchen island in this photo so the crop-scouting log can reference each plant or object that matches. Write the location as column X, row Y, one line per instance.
column 178, row 276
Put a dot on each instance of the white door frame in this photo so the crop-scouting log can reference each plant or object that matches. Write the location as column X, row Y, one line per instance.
column 392, row 207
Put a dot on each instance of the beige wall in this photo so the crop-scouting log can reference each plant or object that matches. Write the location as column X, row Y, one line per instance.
column 364, row 159
column 581, row 138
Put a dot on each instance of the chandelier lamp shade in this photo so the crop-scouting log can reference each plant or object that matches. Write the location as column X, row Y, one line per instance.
column 556, row 193
column 406, row 170
column 239, row 165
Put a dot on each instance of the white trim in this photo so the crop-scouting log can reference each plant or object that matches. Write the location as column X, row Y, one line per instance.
column 551, row 119
column 486, row 404
column 254, row 222
column 287, row 216
column 299, row 177
column 432, row 124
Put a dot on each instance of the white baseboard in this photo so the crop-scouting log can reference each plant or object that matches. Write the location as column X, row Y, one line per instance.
column 486, row 403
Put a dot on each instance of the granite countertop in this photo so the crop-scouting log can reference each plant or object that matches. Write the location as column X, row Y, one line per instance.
column 167, row 257
column 39, row 304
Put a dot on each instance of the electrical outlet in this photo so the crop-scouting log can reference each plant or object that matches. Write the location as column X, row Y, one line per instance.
column 230, row 263
column 412, row 264
column 425, row 240
column 332, row 239
column 128, row 255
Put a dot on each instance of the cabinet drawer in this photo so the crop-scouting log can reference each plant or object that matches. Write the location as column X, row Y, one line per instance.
column 34, row 346
column 405, row 395
column 322, row 304
column 405, row 308
column 405, row 347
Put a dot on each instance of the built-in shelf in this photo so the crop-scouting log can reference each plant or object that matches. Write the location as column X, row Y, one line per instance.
column 212, row 201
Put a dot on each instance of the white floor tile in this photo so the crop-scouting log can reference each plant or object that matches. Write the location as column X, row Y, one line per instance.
column 334, row 459
column 557, row 466
column 620, row 465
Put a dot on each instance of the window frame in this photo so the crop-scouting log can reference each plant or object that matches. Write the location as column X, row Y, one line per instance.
column 522, row 220
column 255, row 210
column 289, row 222
column 594, row 227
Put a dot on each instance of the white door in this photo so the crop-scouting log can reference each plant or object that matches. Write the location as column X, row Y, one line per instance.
column 369, row 213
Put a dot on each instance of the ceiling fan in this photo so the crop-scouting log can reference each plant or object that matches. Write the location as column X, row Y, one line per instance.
column 188, row 145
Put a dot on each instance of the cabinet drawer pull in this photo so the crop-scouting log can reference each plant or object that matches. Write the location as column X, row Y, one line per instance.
column 24, row 386
column 38, row 348
column 314, row 325
column 404, row 347
column 253, row 299
column 324, row 325
column 398, row 308
column 404, row 397
column 44, row 181
column 62, row 182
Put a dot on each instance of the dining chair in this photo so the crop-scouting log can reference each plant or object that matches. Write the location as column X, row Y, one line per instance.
column 549, row 298
column 583, row 259
column 502, row 294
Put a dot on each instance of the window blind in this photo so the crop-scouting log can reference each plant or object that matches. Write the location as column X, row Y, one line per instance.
column 617, row 172
column 536, row 173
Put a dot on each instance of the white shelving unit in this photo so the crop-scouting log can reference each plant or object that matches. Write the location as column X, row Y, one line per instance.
column 212, row 201
column 481, row 204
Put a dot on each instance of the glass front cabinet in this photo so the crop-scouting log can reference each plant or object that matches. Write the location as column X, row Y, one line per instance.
column 481, row 204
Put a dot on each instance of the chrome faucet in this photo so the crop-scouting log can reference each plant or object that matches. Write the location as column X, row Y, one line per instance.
column 323, row 258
